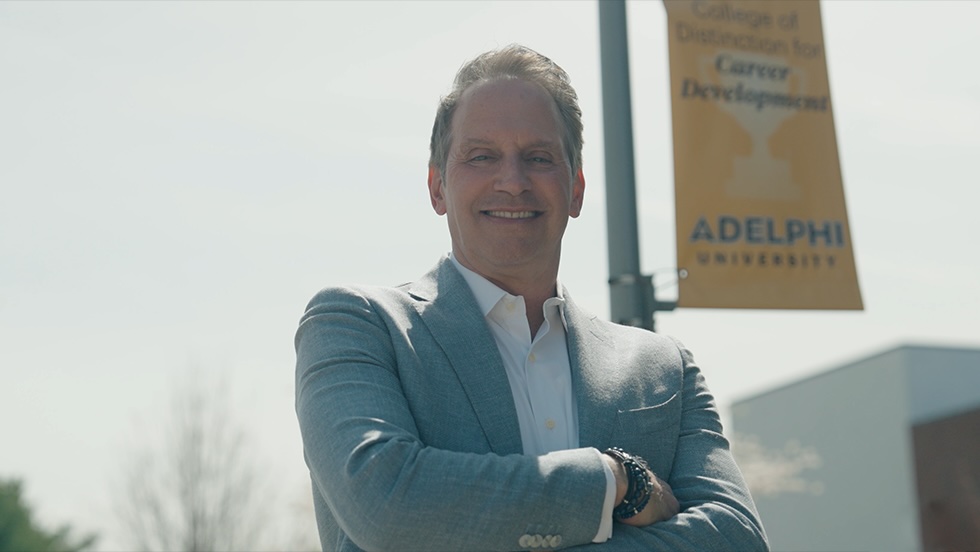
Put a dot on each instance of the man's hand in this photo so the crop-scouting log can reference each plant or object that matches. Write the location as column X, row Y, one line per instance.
column 662, row 505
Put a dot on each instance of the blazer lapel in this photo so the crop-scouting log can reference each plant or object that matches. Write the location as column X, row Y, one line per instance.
column 595, row 393
column 450, row 312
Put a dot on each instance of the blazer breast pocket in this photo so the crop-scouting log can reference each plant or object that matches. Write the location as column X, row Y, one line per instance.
column 651, row 432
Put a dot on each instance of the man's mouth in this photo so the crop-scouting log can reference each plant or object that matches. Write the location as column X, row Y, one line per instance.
column 512, row 214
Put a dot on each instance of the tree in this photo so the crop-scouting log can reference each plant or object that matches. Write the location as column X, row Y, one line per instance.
column 20, row 533
column 196, row 489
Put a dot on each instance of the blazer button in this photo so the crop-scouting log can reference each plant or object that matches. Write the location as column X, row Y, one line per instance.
column 554, row 541
column 524, row 541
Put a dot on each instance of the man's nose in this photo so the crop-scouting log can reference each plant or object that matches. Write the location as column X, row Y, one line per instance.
column 512, row 177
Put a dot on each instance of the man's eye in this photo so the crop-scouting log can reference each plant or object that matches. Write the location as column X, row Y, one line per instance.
column 543, row 160
column 480, row 158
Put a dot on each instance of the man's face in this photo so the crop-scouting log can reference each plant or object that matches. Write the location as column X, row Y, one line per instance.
column 508, row 189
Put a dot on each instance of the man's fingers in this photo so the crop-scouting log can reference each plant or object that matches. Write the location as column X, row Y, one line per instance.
column 667, row 499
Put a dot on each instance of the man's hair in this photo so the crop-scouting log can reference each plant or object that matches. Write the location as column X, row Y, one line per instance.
column 512, row 62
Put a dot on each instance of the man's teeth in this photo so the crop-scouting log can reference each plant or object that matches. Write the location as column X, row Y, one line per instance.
column 512, row 214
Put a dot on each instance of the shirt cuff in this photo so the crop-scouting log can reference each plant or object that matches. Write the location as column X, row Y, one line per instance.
column 606, row 522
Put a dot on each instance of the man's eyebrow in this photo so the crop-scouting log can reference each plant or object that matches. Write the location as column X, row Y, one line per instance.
column 544, row 144
column 477, row 142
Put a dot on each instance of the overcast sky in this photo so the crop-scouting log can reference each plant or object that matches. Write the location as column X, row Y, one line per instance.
column 179, row 178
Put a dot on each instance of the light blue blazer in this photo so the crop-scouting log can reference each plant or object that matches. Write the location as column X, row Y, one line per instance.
column 412, row 440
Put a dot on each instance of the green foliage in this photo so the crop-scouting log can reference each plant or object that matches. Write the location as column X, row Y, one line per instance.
column 20, row 533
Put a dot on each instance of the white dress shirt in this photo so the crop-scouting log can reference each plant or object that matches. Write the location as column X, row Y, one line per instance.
column 539, row 373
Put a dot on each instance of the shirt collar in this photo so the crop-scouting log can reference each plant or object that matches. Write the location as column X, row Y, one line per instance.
column 488, row 294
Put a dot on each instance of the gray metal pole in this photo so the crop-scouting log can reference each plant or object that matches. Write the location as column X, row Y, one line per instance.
column 630, row 293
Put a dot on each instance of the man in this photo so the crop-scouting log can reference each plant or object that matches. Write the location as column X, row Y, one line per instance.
column 478, row 408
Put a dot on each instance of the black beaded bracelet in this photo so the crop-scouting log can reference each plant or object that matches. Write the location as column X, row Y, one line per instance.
column 639, row 486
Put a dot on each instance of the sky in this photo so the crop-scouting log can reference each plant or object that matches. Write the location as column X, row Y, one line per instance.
column 177, row 179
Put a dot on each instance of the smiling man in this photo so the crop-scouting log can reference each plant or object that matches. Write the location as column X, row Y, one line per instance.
column 478, row 408
column 509, row 188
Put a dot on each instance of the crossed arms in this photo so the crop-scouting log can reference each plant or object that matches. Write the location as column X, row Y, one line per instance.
column 402, row 462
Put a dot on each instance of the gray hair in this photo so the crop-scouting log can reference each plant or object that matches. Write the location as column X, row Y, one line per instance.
column 511, row 62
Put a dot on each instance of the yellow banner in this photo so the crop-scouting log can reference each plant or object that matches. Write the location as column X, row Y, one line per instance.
column 761, row 219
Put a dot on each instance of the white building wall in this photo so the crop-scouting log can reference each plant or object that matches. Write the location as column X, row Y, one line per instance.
column 862, row 495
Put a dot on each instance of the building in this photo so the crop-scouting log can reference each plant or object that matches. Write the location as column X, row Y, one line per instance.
column 882, row 454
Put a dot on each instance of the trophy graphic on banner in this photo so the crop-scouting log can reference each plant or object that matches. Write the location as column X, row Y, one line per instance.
column 759, row 175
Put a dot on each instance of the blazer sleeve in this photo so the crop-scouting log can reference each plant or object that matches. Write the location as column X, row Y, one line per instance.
column 716, row 510
column 388, row 490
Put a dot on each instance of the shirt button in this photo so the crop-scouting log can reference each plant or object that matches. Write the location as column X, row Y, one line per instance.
column 510, row 306
column 550, row 424
column 531, row 357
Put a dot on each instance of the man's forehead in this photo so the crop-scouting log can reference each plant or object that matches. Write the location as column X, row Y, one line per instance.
column 505, row 96
column 506, row 109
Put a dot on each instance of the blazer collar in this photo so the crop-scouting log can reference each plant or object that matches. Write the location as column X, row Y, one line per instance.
column 449, row 310
column 597, row 394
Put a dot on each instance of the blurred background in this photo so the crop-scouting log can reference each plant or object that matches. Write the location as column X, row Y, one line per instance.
column 177, row 179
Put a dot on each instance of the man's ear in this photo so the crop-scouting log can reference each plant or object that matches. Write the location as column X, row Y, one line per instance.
column 437, row 190
column 578, row 194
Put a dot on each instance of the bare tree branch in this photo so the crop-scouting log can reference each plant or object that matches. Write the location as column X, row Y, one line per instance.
column 195, row 486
